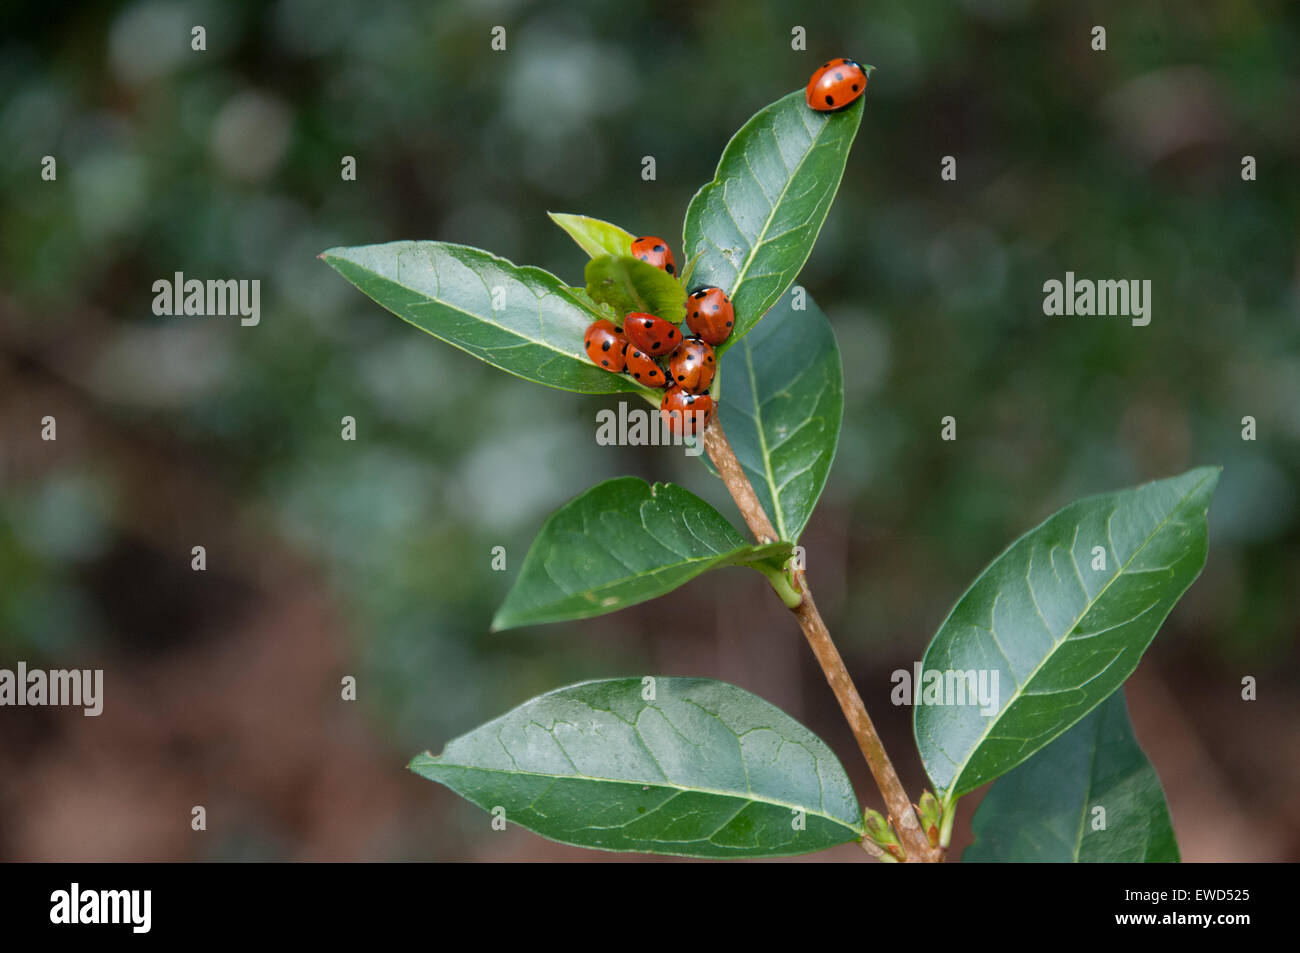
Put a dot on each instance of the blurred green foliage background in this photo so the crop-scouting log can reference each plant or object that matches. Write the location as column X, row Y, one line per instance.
column 371, row 558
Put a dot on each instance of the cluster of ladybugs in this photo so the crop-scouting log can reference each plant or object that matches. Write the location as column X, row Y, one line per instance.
column 645, row 339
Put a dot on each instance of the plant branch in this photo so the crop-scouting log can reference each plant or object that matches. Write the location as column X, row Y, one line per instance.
column 742, row 491
column 902, row 816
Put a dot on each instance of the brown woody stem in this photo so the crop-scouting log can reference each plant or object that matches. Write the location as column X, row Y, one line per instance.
column 902, row 816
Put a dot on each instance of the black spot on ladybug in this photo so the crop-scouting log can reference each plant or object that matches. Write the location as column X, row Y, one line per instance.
column 644, row 257
column 715, row 307
column 728, row 324
column 636, row 374
column 830, row 100
column 681, row 377
column 605, row 345
column 605, row 363
column 648, row 323
column 669, row 269
column 695, row 314
column 654, row 346
column 659, row 248
column 855, row 87
column 710, row 358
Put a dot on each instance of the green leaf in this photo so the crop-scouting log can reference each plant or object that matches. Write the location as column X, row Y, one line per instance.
column 594, row 236
column 754, row 225
column 1043, row 811
column 783, row 410
column 629, row 284
column 448, row 290
column 1058, row 634
column 619, row 543
column 702, row 769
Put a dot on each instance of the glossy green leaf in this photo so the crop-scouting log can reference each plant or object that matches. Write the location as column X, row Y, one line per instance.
column 594, row 236
column 629, row 284
column 522, row 320
column 1045, row 811
column 684, row 766
column 754, row 225
column 1060, row 619
column 783, row 409
column 620, row 543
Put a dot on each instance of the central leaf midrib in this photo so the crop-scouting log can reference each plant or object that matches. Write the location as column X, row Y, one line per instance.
column 641, row 574
column 688, row 562
column 731, row 795
column 769, row 477
column 767, row 224
column 633, row 292
column 443, row 302
column 1057, row 645
column 1087, row 791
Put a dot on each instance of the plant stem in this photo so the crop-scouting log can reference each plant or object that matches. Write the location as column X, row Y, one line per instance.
column 902, row 816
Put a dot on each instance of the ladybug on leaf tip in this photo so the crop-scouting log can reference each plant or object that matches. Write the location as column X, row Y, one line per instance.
column 836, row 83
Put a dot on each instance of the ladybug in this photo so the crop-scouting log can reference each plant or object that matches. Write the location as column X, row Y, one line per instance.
column 684, row 412
column 692, row 366
column 642, row 367
column 835, row 85
column 656, row 252
column 605, row 345
column 653, row 335
column 710, row 314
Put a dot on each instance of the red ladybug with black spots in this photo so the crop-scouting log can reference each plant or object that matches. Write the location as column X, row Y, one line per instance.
column 643, row 368
column 655, row 250
column 651, row 334
column 606, row 345
column 836, row 84
column 692, row 366
column 710, row 315
column 684, row 412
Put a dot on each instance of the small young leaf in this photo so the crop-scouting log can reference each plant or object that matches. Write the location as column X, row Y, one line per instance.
column 629, row 284
column 619, row 543
column 594, row 236
column 1046, row 810
column 783, row 410
column 684, row 766
column 1060, row 619
column 754, row 225
column 522, row 320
